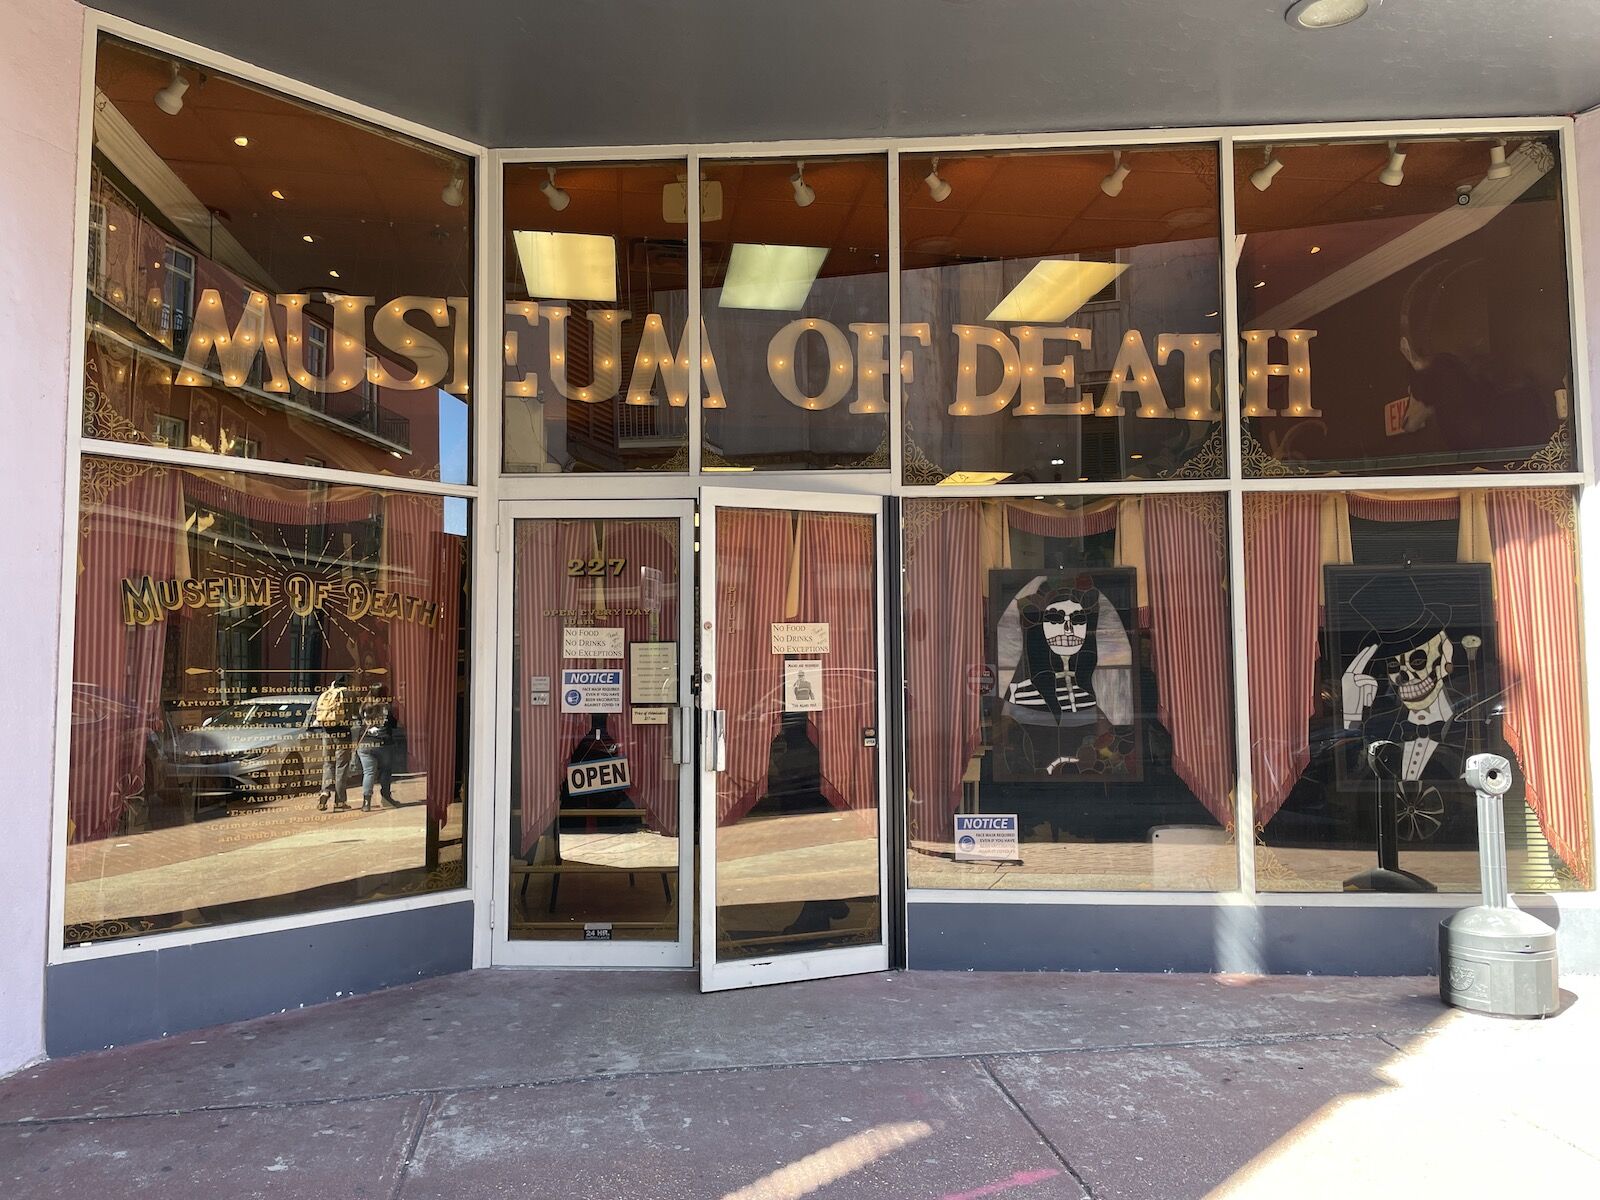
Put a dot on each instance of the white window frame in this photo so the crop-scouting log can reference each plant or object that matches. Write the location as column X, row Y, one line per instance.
column 478, row 751
column 491, row 486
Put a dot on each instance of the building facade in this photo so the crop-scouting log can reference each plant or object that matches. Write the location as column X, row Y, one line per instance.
column 779, row 559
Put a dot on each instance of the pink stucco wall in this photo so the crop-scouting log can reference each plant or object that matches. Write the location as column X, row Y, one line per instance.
column 41, row 45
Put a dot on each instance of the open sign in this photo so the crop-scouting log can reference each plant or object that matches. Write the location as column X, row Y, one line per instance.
column 601, row 775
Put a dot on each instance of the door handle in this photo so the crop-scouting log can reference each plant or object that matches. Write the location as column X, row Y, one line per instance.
column 681, row 726
column 717, row 739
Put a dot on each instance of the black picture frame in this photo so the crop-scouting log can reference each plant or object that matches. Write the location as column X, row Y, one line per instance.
column 1460, row 593
column 1038, row 747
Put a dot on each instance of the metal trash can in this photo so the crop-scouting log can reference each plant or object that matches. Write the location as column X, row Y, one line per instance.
column 1495, row 958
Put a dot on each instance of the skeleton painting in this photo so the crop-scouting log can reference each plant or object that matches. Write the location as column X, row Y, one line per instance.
column 1417, row 683
column 1068, row 674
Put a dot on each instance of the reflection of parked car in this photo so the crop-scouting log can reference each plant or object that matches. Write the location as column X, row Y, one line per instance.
column 252, row 750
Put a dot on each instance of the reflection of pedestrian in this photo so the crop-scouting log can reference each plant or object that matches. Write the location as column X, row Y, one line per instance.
column 331, row 718
column 375, row 748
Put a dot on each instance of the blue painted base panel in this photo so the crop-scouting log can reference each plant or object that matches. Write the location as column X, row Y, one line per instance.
column 102, row 1002
column 1270, row 940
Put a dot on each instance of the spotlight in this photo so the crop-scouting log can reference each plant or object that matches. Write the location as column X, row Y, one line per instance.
column 455, row 192
column 558, row 199
column 1396, row 170
column 1324, row 14
column 1499, row 168
column 170, row 98
column 803, row 195
column 1261, row 177
column 1111, row 185
column 938, row 188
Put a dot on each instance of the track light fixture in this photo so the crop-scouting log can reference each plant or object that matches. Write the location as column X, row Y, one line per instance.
column 803, row 195
column 938, row 188
column 170, row 98
column 1324, row 14
column 1261, row 177
column 1499, row 168
column 455, row 192
column 1111, row 185
column 557, row 198
column 1396, row 170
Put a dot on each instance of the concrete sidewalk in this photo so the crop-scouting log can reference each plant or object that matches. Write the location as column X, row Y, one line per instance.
column 911, row 1085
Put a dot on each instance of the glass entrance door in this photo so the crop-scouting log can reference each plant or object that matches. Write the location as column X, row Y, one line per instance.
column 596, row 740
column 791, row 802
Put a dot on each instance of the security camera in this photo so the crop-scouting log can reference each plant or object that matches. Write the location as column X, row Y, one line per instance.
column 1488, row 773
column 1463, row 194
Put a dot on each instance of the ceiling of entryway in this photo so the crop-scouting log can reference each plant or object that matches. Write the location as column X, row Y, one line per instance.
column 612, row 72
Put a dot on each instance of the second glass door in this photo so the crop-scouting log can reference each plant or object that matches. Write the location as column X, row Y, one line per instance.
column 791, row 794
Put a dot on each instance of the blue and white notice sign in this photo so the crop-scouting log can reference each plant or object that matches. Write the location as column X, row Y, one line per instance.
column 594, row 691
column 985, row 838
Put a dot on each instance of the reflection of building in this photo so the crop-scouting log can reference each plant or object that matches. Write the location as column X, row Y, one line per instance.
column 146, row 281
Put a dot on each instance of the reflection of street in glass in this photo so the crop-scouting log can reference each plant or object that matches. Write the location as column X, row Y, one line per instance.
column 271, row 848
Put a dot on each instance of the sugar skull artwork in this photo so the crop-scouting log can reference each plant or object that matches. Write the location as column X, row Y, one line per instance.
column 1067, row 675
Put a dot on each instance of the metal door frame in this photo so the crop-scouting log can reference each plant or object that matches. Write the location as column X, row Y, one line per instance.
column 568, row 953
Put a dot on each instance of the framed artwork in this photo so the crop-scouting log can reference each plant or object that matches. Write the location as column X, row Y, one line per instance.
column 1067, row 664
column 1414, row 669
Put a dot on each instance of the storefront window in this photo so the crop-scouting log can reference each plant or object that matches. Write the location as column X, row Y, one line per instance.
column 1403, row 306
column 1060, row 316
column 596, row 274
column 268, row 699
column 269, row 280
column 795, row 302
column 1068, row 671
column 1392, row 635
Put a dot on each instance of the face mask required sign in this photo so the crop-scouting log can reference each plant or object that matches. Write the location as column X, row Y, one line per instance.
column 986, row 838
column 596, row 691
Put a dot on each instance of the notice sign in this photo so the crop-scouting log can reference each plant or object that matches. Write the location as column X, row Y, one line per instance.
column 653, row 673
column 590, row 641
column 800, row 637
column 984, row 839
column 599, row 775
column 591, row 691
column 802, row 685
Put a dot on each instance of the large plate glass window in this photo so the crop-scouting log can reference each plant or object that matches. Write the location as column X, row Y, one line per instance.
column 596, row 372
column 268, row 692
column 1060, row 315
column 1068, row 695
column 795, row 301
column 269, row 280
column 1403, row 306
column 1392, row 635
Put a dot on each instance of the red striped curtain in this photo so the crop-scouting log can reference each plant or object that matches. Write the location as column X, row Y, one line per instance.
column 132, row 520
column 944, row 610
column 1541, row 657
column 421, row 559
column 837, row 557
column 1184, row 549
column 546, row 736
column 753, row 554
column 1282, row 556
column 277, row 504
column 644, row 544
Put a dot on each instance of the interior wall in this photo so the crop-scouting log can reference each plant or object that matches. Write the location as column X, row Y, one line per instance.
column 40, row 48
